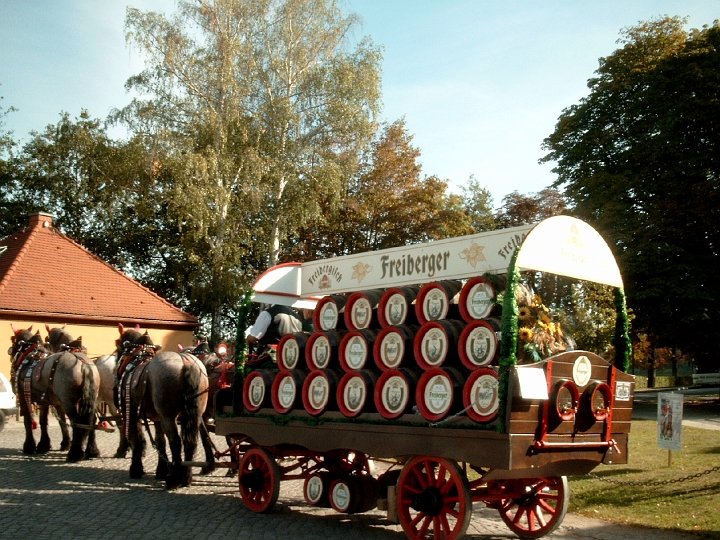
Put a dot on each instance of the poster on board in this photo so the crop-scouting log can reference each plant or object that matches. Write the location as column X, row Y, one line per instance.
column 669, row 414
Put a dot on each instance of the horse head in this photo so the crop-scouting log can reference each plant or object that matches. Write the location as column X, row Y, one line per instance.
column 57, row 337
column 23, row 339
column 129, row 336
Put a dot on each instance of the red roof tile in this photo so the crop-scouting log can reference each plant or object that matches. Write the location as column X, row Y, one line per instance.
column 43, row 272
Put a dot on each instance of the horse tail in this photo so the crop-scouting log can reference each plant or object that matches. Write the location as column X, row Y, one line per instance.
column 88, row 400
column 191, row 377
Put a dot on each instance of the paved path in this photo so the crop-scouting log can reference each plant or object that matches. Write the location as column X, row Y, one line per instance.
column 45, row 497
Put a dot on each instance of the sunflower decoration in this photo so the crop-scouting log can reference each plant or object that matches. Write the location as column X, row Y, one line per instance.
column 539, row 336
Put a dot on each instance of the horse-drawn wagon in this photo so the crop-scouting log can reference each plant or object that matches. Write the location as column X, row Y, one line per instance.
column 409, row 395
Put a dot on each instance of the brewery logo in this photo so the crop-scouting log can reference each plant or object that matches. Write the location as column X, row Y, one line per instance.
column 434, row 346
column 318, row 393
column 356, row 352
column 290, row 353
column 396, row 309
column 480, row 347
column 355, row 394
column 329, row 316
column 435, row 305
column 473, row 255
column 484, row 395
column 286, row 396
column 582, row 369
column 341, row 496
column 395, row 395
column 438, row 394
column 480, row 300
column 321, row 352
column 361, row 313
column 257, row 391
column 314, row 488
column 622, row 391
column 325, row 275
column 392, row 350
column 360, row 271
column 574, row 237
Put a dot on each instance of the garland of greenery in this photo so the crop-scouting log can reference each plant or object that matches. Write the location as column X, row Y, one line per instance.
column 621, row 340
column 508, row 343
column 241, row 349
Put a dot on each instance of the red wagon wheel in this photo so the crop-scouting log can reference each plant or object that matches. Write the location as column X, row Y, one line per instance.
column 433, row 499
column 259, row 479
column 537, row 507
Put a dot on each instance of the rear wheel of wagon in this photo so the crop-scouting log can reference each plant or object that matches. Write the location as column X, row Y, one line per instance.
column 536, row 507
column 259, row 480
column 433, row 499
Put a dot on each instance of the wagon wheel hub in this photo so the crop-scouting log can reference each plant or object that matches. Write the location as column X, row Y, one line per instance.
column 429, row 501
column 253, row 480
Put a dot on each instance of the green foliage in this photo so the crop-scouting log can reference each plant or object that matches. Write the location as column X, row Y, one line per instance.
column 478, row 205
column 638, row 159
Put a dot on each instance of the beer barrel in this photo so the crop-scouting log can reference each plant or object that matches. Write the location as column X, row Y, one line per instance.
column 436, row 301
column 393, row 347
column 286, row 390
column 436, row 342
column 360, row 309
column 480, row 395
column 291, row 350
column 479, row 343
column 396, row 306
column 328, row 313
column 355, row 393
column 394, row 392
column 356, row 348
column 318, row 391
column 257, row 389
column 316, row 488
column 477, row 299
column 321, row 350
column 353, row 494
column 439, row 393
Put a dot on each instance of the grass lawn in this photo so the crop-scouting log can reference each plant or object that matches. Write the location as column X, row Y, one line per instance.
column 690, row 505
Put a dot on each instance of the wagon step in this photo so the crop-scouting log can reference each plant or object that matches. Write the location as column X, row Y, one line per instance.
column 96, row 428
column 195, row 463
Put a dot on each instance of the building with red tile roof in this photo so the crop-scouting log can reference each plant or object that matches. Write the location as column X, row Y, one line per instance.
column 47, row 278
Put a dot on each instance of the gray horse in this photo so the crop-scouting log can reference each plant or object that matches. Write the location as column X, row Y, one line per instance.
column 162, row 387
column 67, row 380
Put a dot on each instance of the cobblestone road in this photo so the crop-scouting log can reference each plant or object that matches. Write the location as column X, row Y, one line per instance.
column 45, row 497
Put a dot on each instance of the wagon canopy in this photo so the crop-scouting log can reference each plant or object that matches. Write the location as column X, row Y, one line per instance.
column 562, row 245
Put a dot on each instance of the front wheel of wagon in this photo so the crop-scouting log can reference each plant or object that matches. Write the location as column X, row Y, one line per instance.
column 259, row 479
column 534, row 507
column 433, row 499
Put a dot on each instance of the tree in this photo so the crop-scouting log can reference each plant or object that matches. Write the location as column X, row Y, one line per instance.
column 639, row 159
column 388, row 204
column 9, row 207
column 478, row 204
column 520, row 209
column 250, row 108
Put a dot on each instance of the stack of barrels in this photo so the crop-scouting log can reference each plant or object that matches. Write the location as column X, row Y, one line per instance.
column 429, row 350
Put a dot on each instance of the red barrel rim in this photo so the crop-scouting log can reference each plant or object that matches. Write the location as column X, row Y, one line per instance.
column 439, row 292
column 368, row 300
column 382, row 311
column 385, row 404
column 251, row 385
column 481, row 350
column 475, row 303
column 433, row 409
column 352, row 340
column 327, row 312
column 280, row 404
column 316, row 405
column 389, row 350
column 480, row 395
column 350, row 403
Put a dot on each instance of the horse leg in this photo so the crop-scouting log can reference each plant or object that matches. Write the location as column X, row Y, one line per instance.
column 91, row 450
column 209, row 453
column 162, row 470
column 137, row 444
column 123, row 445
column 65, row 443
column 44, row 446
column 29, row 445
column 177, row 474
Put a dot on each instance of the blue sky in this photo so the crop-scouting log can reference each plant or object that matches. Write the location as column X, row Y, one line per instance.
column 479, row 83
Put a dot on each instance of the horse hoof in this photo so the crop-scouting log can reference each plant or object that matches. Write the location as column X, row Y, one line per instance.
column 64, row 446
column 43, row 448
column 90, row 454
column 136, row 472
column 29, row 448
column 207, row 470
column 120, row 454
column 75, row 455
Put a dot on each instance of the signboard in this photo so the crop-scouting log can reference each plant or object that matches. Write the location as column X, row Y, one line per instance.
column 452, row 258
column 669, row 414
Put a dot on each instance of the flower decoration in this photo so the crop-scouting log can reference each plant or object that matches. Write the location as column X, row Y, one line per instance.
column 539, row 336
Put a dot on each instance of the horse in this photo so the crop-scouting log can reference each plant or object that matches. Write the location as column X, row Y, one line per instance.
column 106, row 366
column 67, row 380
column 162, row 387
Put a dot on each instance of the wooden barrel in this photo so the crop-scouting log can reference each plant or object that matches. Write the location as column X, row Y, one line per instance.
column 361, row 309
column 394, row 392
column 439, row 393
column 396, row 306
column 316, row 488
column 319, row 391
column 356, row 349
column 437, row 300
column 436, row 342
column 393, row 347
column 353, row 494
column 328, row 314
column 291, row 351
column 321, row 350
column 479, row 343
column 286, row 391
column 355, row 393
column 257, row 389
column 480, row 395
column 477, row 299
